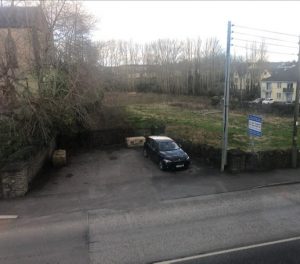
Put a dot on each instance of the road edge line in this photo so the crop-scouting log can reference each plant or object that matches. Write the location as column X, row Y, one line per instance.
column 174, row 261
column 3, row 217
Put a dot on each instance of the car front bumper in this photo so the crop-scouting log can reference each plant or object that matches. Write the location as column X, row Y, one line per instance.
column 175, row 165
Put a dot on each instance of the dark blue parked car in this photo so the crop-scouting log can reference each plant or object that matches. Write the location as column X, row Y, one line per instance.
column 166, row 153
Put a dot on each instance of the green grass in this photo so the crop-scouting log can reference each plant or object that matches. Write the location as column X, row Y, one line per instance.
column 205, row 126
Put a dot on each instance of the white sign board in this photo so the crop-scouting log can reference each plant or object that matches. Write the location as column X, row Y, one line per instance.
column 255, row 126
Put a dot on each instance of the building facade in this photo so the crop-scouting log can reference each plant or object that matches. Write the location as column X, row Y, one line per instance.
column 24, row 46
column 281, row 86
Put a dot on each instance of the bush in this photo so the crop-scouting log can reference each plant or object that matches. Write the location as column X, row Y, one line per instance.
column 215, row 100
column 148, row 87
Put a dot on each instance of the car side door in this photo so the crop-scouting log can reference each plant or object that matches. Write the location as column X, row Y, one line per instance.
column 155, row 156
column 149, row 147
column 152, row 149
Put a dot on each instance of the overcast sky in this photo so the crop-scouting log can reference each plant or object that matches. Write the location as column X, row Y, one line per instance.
column 143, row 21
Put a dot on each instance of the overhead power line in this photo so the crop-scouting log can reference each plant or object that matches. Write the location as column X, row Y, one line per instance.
column 263, row 37
column 269, row 31
column 271, row 44
column 275, row 52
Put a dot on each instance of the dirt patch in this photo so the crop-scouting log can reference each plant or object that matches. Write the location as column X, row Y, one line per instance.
column 127, row 98
column 192, row 106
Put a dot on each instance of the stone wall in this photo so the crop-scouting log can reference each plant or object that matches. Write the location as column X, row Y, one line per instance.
column 94, row 139
column 239, row 161
column 24, row 44
column 14, row 180
column 16, row 176
column 104, row 137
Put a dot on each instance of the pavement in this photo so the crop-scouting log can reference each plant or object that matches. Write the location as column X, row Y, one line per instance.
column 115, row 206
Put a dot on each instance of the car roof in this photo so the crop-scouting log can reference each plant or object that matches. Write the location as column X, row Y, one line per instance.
column 160, row 138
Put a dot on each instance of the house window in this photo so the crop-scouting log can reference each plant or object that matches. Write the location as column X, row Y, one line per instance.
column 290, row 86
column 269, row 85
column 279, row 85
column 278, row 95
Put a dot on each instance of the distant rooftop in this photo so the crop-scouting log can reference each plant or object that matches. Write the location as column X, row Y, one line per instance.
column 289, row 73
column 20, row 17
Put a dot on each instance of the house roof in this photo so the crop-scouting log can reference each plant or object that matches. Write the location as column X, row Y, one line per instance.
column 284, row 74
column 20, row 17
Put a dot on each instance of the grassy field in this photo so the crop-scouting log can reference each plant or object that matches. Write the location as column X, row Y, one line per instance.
column 193, row 118
column 205, row 125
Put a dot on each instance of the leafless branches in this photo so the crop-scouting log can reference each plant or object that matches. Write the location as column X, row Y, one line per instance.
column 56, row 94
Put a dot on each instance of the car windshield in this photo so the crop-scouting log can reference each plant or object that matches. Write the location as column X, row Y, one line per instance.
column 167, row 145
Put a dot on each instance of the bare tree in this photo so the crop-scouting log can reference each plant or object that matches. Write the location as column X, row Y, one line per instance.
column 171, row 66
column 69, row 83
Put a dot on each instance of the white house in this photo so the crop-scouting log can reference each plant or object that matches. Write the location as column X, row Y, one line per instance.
column 281, row 86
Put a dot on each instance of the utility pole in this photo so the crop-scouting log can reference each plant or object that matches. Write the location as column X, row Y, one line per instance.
column 296, row 114
column 226, row 100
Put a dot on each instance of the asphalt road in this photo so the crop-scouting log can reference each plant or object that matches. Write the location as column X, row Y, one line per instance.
column 195, row 226
column 164, row 231
column 114, row 211
column 275, row 252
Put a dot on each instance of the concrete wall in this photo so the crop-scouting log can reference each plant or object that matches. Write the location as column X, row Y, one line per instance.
column 16, row 176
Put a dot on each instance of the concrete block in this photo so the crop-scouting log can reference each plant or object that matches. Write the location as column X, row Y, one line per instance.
column 59, row 158
column 135, row 141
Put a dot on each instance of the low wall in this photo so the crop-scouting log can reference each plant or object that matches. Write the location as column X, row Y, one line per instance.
column 16, row 176
column 279, row 109
column 94, row 139
column 239, row 161
column 105, row 137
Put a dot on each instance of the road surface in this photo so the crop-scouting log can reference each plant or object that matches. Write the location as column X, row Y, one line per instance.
column 167, row 230
column 117, row 207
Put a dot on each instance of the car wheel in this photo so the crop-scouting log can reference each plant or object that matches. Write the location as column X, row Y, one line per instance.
column 145, row 152
column 161, row 165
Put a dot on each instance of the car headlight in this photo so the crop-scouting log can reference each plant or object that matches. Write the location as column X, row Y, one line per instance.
column 187, row 158
column 167, row 161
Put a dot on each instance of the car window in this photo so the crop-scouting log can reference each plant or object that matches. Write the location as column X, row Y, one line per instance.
column 148, row 141
column 152, row 144
column 167, row 145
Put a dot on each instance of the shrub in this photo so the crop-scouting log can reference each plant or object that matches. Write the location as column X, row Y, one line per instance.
column 215, row 100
